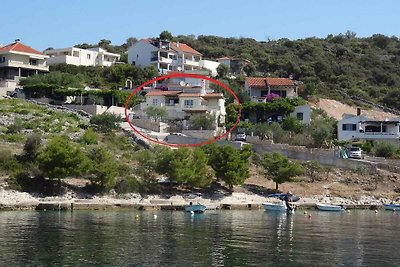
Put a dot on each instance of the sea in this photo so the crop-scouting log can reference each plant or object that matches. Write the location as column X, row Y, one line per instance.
column 215, row 238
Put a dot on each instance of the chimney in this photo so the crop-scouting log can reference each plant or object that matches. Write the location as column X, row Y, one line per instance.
column 358, row 111
column 177, row 44
column 17, row 40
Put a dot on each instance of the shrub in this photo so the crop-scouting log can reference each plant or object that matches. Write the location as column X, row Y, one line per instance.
column 89, row 137
column 384, row 149
column 106, row 122
column 127, row 185
column 202, row 122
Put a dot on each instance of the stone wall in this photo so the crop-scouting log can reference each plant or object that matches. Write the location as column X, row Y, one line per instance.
column 146, row 124
column 176, row 139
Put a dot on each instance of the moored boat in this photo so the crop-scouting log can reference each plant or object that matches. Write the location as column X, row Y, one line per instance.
column 274, row 206
column 197, row 208
column 330, row 207
column 392, row 206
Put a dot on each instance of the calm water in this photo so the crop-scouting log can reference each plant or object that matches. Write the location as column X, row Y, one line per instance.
column 216, row 238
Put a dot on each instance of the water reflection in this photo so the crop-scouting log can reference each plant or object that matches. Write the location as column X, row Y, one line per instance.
column 216, row 238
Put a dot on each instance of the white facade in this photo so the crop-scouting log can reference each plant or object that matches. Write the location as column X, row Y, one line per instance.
column 258, row 88
column 352, row 128
column 210, row 65
column 168, row 56
column 82, row 57
column 302, row 113
column 18, row 61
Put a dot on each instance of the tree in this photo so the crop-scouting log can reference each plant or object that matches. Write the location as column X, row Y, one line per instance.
column 229, row 164
column 157, row 113
column 202, row 122
column 189, row 166
column 89, row 137
column 322, row 131
column 106, row 122
column 31, row 147
column 313, row 169
column 166, row 35
column 222, row 71
column 292, row 124
column 130, row 41
column 60, row 158
column 280, row 168
column 104, row 168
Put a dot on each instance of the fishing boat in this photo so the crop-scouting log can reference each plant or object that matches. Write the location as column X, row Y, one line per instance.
column 330, row 207
column 196, row 208
column 391, row 206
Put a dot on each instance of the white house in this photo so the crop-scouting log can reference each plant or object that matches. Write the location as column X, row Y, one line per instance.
column 167, row 56
column 353, row 128
column 17, row 61
column 96, row 56
column 302, row 113
column 184, row 98
column 258, row 88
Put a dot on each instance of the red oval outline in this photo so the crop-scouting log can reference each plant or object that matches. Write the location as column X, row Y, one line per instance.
column 173, row 75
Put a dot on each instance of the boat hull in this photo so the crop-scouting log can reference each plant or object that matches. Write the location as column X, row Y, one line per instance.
column 198, row 208
column 274, row 206
column 328, row 207
column 392, row 206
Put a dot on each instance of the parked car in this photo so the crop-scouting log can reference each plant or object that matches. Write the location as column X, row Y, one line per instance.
column 355, row 153
column 240, row 137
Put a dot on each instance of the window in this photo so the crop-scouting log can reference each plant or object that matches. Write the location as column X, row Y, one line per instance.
column 188, row 103
column 2, row 59
column 88, row 56
column 349, row 127
column 33, row 62
column 300, row 116
column 155, row 101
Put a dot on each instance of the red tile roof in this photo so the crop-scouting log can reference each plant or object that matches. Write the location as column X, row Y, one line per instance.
column 223, row 58
column 162, row 93
column 184, row 48
column 19, row 47
column 214, row 95
column 262, row 82
column 189, row 95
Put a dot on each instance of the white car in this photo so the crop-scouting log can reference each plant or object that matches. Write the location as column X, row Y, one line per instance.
column 240, row 137
column 355, row 153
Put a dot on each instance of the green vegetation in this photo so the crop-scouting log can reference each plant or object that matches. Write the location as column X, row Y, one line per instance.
column 281, row 168
column 157, row 113
column 384, row 149
column 89, row 137
column 202, row 122
column 329, row 67
column 105, row 122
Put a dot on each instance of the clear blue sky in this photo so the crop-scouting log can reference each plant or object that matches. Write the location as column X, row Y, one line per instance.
column 62, row 23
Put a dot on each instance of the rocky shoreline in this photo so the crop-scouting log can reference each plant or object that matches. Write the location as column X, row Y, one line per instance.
column 14, row 200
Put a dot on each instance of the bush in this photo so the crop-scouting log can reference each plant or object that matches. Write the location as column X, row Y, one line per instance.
column 89, row 137
column 106, row 122
column 202, row 122
column 127, row 185
column 384, row 149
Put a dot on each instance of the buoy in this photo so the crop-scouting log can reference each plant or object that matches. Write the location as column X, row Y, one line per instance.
column 137, row 216
column 393, row 210
column 305, row 212
column 191, row 212
column 309, row 215
column 348, row 211
column 376, row 211
column 155, row 216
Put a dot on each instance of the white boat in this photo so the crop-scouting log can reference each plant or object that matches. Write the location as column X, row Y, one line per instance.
column 281, row 206
column 392, row 207
column 197, row 208
column 330, row 207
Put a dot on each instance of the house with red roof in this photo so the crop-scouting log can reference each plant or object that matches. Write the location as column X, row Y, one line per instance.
column 259, row 88
column 167, row 56
column 185, row 97
column 18, row 61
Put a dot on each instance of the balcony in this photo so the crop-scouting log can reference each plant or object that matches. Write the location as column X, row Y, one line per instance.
column 195, row 108
column 192, row 63
column 25, row 65
column 161, row 60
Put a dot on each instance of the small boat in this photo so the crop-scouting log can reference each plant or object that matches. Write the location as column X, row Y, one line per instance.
column 330, row 207
column 277, row 207
column 197, row 208
column 392, row 206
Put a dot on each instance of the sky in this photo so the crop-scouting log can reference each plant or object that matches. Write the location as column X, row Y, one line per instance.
column 63, row 23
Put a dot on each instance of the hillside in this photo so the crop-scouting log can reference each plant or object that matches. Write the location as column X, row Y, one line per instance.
column 364, row 67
